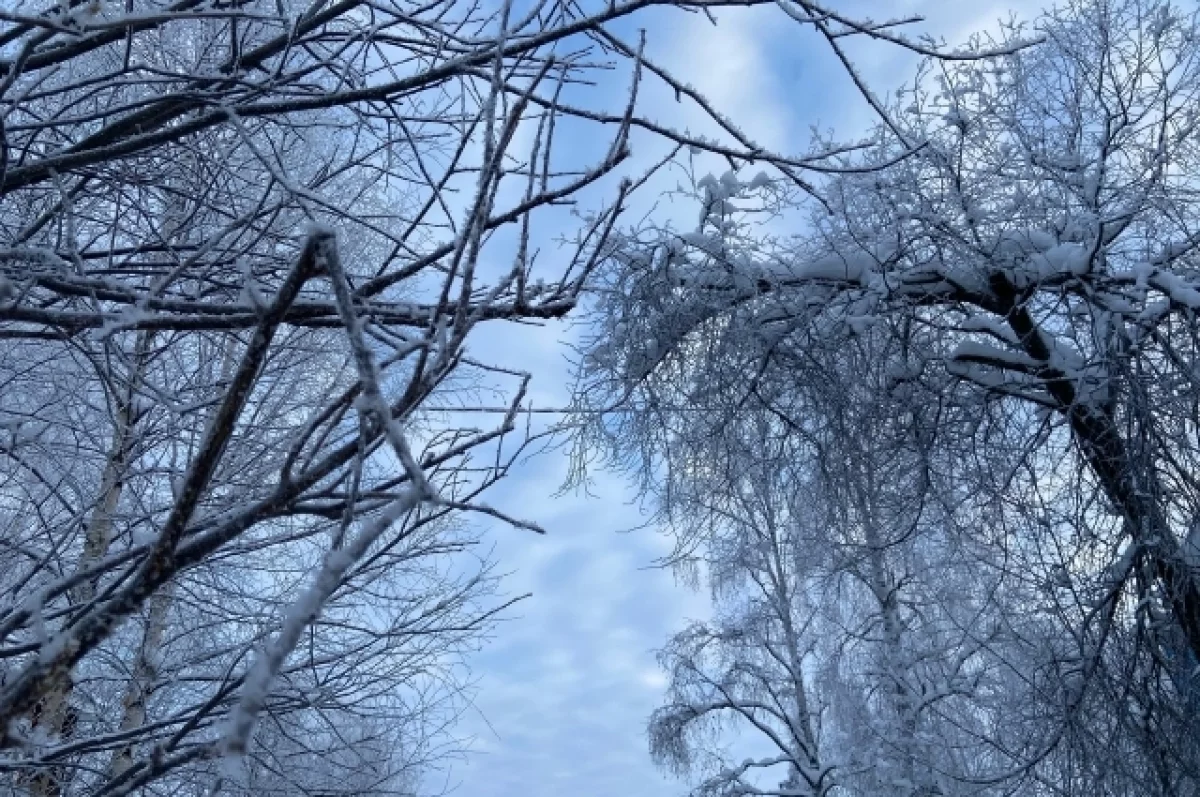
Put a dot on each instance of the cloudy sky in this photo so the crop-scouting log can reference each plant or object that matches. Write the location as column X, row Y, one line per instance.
column 566, row 687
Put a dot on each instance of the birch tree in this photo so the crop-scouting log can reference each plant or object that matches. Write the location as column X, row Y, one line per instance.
column 860, row 635
column 1024, row 234
column 232, row 467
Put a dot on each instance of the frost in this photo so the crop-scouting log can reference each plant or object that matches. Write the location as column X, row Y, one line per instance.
column 729, row 182
column 299, row 616
column 129, row 318
column 956, row 118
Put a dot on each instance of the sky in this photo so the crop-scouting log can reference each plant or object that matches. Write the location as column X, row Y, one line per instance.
column 564, row 690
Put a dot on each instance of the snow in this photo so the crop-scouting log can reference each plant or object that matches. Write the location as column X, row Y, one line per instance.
column 1019, row 243
column 252, row 295
column 989, row 325
column 975, row 351
column 1065, row 357
column 861, row 324
column 1179, row 291
column 857, row 267
column 35, row 608
column 1037, row 255
column 705, row 242
column 967, row 277
column 129, row 317
column 1062, row 259
column 1190, row 550
column 36, row 255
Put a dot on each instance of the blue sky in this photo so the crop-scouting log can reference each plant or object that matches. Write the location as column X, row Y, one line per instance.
column 566, row 686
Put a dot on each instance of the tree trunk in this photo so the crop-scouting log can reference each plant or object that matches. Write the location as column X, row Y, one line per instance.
column 146, row 662
column 54, row 716
column 142, row 680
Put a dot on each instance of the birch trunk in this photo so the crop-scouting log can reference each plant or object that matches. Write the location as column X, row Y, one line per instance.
column 145, row 670
column 54, row 715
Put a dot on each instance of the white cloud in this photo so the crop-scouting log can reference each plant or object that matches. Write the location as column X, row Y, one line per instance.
column 729, row 64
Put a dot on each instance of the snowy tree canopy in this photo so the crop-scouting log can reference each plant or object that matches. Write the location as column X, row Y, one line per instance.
column 975, row 357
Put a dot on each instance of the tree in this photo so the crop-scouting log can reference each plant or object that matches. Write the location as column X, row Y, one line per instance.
column 859, row 635
column 1029, row 252
column 747, row 667
column 233, row 465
